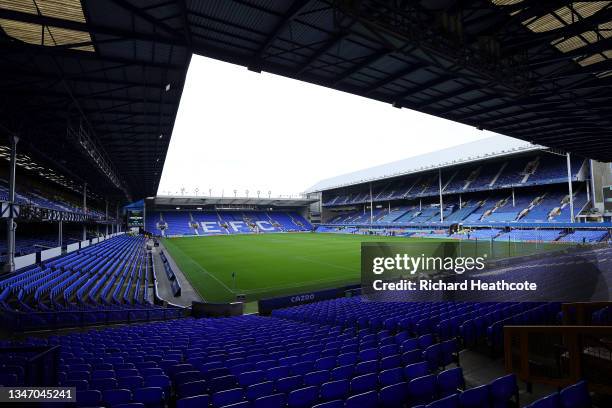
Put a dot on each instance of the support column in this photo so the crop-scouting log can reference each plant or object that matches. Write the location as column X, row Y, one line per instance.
column 106, row 215
column 60, row 233
column 117, row 220
column 460, row 203
column 10, row 222
column 569, row 183
column 440, row 190
column 513, row 197
column 371, row 206
column 85, row 210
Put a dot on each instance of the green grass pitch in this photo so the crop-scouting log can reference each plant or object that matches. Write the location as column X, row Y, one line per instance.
column 269, row 265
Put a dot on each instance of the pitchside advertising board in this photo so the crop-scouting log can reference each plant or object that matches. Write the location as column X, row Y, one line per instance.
column 485, row 272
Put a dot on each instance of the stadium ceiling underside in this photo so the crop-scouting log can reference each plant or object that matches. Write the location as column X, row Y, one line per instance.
column 103, row 79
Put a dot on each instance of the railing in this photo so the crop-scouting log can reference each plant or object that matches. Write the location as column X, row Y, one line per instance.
column 40, row 364
column 31, row 321
column 579, row 313
column 560, row 355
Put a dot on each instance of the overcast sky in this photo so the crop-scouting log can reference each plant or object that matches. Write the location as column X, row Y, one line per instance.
column 237, row 129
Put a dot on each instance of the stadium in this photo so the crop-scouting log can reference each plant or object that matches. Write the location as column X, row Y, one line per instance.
column 115, row 295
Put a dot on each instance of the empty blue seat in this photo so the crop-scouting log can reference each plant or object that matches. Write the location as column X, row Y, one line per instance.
column 325, row 363
column 330, row 404
column 259, row 390
column 503, row 390
column 197, row 401
column 450, row 381
column 416, row 370
column 152, row 397
column 368, row 354
column 448, row 352
column 118, row 396
column 334, row 390
column 101, row 374
column 103, row 384
column 475, row 397
column 271, row 401
column 411, row 357
column 422, row 390
column 131, row 383
column 394, row 396
column 227, row 397
column 365, row 400
column 425, row 341
column 275, row 373
column 251, row 377
column 433, row 356
column 225, row 382
column 451, row 401
column 288, row 384
column 342, row 372
column 187, row 376
column 364, row 383
column 575, row 396
column 347, row 358
column 391, row 376
column 410, row 345
column 316, row 377
column 129, row 372
column 190, row 389
column 366, row 367
column 390, row 362
column 161, row 381
column 302, row 367
column 303, row 397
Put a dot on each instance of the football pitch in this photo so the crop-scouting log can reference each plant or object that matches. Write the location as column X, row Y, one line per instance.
column 268, row 265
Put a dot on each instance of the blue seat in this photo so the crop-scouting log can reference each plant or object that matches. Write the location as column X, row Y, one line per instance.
column 303, row 397
column 80, row 375
column 433, row 356
column 451, row 401
column 251, row 377
column 271, row 401
column 388, row 350
column 227, row 397
column 410, row 345
column 80, row 385
column 343, row 372
column 391, row 376
column 366, row 367
column 425, row 341
column 450, row 381
column 550, row 401
column 503, row 390
column 288, row 384
column 334, row 390
column 390, row 362
column 325, row 363
column 575, row 396
column 161, row 381
column 394, row 396
column 98, row 374
column 190, row 389
column 316, row 377
column 364, row 383
column 302, row 367
column 275, row 373
column 197, row 401
column 131, row 383
column 259, row 390
column 187, row 376
column 129, row 372
column 225, row 382
column 368, row 354
column 117, row 396
column 416, row 370
column 103, row 384
column 152, row 397
column 347, row 358
column 151, row 371
column 88, row 398
column 131, row 405
column 475, row 397
column 422, row 390
column 411, row 357
column 365, row 400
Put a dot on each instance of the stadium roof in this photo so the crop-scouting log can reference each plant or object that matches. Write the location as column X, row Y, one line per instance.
column 190, row 201
column 496, row 146
column 110, row 73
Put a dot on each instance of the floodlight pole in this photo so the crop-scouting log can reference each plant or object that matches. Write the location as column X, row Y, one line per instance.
column 85, row 211
column 60, row 232
column 440, row 188
column 569, row 184
column 371, row 206
column 106, row 215
column 117, row 219
column 10, row 222
column 513, row 202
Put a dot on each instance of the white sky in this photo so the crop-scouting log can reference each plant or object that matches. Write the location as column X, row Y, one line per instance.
column 237, row 129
